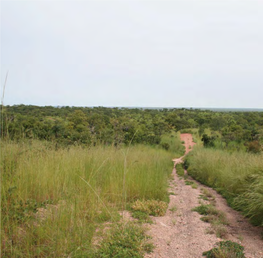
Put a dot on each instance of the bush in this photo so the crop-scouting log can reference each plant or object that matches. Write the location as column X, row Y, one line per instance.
column 165, row 146
column 254, row 147
column 208, row 140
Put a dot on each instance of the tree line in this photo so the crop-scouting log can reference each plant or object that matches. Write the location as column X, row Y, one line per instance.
column 100, row 125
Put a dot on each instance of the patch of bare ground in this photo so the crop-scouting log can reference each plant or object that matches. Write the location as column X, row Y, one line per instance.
column 181, row 233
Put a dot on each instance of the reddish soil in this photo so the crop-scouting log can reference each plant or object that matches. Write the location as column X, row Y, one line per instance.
column 181, row 233
column 188, row 142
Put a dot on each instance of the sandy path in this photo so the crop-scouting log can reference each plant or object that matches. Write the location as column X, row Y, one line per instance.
column 182, row 234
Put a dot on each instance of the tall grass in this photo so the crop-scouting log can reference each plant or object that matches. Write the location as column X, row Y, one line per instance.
column 174, row 143
column 53, row 200
column 238, row 176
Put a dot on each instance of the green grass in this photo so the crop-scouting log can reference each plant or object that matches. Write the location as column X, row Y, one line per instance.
column 226, row 249
column 173, row 141
column 180, row 170
column 142, row 216
column 237, row 176
column 124, row 240
column 192, row 183
column 52, row 200
column 213, row 216
column 173, row 209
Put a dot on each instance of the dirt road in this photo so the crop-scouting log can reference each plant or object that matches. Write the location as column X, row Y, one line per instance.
column 181, row 233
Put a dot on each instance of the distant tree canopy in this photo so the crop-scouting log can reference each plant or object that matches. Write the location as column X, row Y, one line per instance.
column 101, row 125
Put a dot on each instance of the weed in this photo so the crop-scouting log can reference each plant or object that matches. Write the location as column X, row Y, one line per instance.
column 173, row 209
column 179, row 169
column 174, row 221
column 188, row 182
column 124, row 240
column 226, row 249
column 151, row 207
column 220, row 230
column 203, row 209
column 207, row 193
column 215, row 217
column 210, row 230
column 192, row 183
column 142, row 216
column 203, row 197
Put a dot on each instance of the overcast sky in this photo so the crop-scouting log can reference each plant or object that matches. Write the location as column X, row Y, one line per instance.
column 177, row 53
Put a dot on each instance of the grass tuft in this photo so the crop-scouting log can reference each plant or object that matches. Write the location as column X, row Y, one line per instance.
column 124, row 240
column 226, row 249
column 151, row 207
column 215, row 217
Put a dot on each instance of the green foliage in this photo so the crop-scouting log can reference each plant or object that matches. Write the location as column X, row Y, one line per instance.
column 142, row 216
column 172, row 143
column 117, row 126
column 237, row 176
column 208, row 140
column 213, row 216
column 203, row 209
column 226, row 249
column 124, row 240
column 165, row 146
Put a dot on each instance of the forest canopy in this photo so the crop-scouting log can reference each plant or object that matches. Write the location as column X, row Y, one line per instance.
column 114, row 126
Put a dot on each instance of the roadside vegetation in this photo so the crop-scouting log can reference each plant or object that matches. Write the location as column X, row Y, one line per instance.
column 238, row 176
column 68, row 173
column 226, row 249
column 53, row 200
column 213, row 216
column 64, row 126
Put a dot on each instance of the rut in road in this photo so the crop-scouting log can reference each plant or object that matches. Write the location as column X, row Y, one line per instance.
column 181, row 233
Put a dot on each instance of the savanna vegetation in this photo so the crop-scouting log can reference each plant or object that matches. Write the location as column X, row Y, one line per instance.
column 99, row 125
column 68, row 173
column 53, row 200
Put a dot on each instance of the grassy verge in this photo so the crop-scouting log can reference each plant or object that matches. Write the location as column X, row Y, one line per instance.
column 237, row 176
column 53, row 200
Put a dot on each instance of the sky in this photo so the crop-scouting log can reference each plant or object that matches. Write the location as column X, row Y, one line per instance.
column 181, row 53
